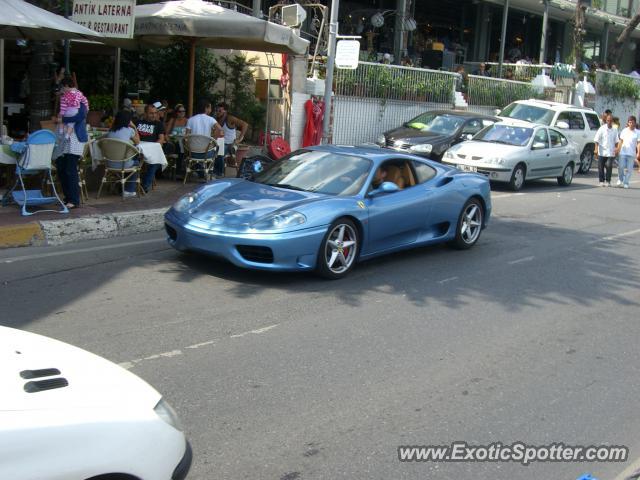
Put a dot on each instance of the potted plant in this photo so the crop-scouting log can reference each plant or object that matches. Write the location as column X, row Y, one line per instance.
column 99, row 106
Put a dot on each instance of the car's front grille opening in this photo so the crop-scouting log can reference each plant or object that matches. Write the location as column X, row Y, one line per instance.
column 42, row 385
column 173, row 235
column 255, row 253
column 43, row 372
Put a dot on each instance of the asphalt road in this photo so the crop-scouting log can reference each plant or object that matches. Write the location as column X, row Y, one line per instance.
column 531, row 336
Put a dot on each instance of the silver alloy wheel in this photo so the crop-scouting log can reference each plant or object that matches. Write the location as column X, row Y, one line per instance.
column 568, row 174
column 340, row 248
column 586, row 160
column 518, row 178
column 471, row 223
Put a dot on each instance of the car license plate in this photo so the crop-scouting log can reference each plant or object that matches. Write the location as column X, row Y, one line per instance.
column 468, row 168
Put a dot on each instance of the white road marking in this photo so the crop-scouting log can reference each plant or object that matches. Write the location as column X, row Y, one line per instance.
column 505, row 195
column 630, row 470
column 447, row 280
column 203, row 344
column 520, row 260
column 174, row 353
column 613, row 237
column 256, row 332
column 81, row 250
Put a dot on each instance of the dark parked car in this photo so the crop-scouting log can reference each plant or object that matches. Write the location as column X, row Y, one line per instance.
column 430, row 134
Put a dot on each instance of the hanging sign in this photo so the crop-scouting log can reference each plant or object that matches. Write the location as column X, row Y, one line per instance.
column 111, row 18
column 347, row 54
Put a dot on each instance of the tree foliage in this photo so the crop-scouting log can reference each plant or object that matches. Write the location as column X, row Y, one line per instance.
column 615, row 53
column 166, row 72
column 238, row 91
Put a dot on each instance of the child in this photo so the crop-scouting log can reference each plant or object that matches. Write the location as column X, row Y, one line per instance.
column 70, row 101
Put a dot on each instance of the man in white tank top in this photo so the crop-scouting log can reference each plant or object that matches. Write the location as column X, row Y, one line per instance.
column 230, row 126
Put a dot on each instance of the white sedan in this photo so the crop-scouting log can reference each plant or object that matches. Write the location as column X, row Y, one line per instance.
column 66, row 414
column 514, row 151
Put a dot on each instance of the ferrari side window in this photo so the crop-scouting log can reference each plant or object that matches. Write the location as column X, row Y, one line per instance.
column 423, row 171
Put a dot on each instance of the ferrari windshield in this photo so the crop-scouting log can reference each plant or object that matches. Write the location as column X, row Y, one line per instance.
column 436, row 123
column 316, row 171
column 506, row 134
column 528, row 113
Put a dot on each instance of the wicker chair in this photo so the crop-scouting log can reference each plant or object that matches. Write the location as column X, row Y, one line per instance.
column 200, row 151
column 119, row 166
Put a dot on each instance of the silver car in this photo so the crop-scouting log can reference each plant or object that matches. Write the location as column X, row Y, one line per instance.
column 513, row 151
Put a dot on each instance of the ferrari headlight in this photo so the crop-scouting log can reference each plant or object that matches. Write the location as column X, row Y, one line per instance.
column 280, row 220
column 449, row 154
column 423, row 148
column 381, row 140
column 186, row 202
column 168, row 414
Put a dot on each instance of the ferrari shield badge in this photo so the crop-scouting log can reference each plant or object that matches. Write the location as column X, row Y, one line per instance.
column 361, row 204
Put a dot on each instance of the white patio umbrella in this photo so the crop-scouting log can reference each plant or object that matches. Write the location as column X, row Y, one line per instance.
column 208, row 25
column 21, row 20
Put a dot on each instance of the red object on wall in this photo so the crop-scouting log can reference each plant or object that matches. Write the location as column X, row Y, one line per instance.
column 284, row 78
column 313, row 127
column 278, row 148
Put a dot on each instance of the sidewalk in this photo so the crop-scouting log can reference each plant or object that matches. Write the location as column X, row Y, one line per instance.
column 108, row 216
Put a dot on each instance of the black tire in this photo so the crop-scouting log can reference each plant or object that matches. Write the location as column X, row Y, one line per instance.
column 566, row 178
column 586, row 159
column 469, row 225
column 332, row 250
column 518, row 177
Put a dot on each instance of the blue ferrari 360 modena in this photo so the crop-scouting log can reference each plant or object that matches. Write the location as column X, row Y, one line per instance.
column 324, row 208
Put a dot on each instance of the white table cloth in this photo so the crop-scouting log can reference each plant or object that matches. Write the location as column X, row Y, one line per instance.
column 151, row 153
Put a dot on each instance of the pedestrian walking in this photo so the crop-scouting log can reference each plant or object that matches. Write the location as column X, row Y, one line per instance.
column 628, row 151
column 606, row 141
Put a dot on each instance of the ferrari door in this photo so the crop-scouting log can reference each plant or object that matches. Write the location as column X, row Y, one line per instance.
column 397, row 218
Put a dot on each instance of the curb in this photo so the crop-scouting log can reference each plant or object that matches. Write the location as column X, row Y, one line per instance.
column 21, row 235
column 58, row 232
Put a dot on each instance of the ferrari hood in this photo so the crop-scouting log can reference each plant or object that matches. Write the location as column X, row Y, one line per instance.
column 243, row 203
column 40, row 373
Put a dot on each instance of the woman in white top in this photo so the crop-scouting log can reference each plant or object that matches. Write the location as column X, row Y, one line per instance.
column 628, row 152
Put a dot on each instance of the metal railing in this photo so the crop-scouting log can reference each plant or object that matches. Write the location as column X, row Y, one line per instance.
column 498, row 93
column 392, row 82
column 523, row 72
column 376, row 97
column 233, row 5
column 617, row 85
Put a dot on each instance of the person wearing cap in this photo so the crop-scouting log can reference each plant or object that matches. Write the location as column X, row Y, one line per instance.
column 161, row 109
column 150, row 129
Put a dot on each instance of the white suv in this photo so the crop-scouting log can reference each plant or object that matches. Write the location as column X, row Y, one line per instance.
column 578, row 124
column 66, row 414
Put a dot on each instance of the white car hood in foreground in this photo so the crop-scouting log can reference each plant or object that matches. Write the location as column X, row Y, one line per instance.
column 476, row 149
column 93, row 382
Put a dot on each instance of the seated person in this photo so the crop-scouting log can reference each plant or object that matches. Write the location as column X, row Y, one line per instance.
column 380, row 177
column 177, row 124
column 394, row 174
column 124, row 129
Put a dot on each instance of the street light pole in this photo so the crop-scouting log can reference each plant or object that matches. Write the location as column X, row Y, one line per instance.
column 328, row 82
column 543, row 40
column 503, row 36
column 67, row 68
